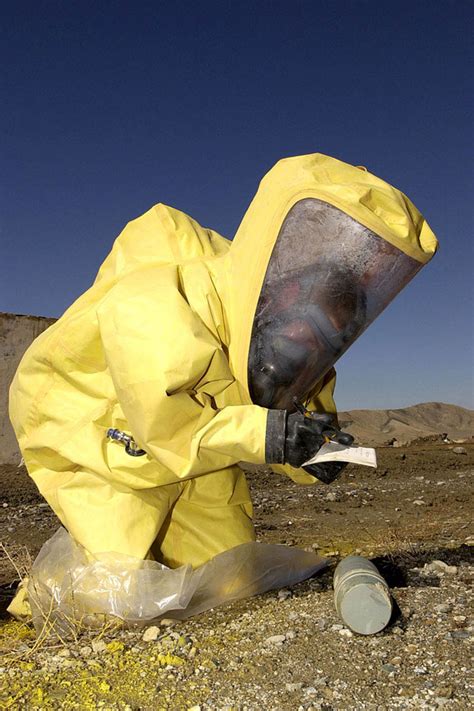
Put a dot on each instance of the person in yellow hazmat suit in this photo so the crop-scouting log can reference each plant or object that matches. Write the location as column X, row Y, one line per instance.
column 191, row 353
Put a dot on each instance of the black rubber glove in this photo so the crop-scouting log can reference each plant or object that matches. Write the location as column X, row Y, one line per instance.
column 326, row 472
column 294, row 438
column 306, row 433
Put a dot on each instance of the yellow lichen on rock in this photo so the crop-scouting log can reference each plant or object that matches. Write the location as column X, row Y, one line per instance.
column 170, row 659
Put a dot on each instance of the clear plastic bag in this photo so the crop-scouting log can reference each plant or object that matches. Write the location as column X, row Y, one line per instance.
column 68, row 589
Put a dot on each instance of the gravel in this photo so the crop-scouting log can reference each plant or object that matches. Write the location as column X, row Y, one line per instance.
column 248, row 656
column 288, row 650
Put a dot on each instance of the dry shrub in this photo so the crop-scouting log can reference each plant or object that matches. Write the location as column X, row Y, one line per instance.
column 16, row 558
column 18, row 640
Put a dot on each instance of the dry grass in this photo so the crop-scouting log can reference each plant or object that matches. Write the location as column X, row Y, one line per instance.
column 16, row 557
column 54, row 628
column 396, row 546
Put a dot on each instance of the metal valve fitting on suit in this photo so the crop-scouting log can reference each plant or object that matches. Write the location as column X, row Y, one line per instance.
column 131, row 447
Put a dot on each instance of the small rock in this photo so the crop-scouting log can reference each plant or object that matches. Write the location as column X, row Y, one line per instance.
column 293, row 687
column 85, row 651
column 337, row 628
column 167, row 622
column 439, row 567
column 283, row 594
column 321, row 624
column 151, row 634
column 67, row 663
column 275, row 639
column 389, row 668
column 459, row 634
column 346, row 633
column 459, row 450
column 443, row 609
column 419, row 502
column 445, row 692
column 290, row 634
column 331, row 496
column 420, row 670
column 98, row 646
column 5, row 505
column 327, row 693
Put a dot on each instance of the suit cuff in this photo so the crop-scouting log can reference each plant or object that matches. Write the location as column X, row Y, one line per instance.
column 275, row 437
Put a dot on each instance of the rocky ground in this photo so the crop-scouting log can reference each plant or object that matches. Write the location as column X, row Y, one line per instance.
column 287, row 649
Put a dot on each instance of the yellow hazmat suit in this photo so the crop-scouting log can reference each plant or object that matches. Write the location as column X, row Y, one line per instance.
column 158, row 347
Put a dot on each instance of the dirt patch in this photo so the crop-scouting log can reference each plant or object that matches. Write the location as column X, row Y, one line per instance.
column 418, row 496
column 284, row 650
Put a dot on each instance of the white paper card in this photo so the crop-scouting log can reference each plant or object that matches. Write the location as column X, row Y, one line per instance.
column 335, row 452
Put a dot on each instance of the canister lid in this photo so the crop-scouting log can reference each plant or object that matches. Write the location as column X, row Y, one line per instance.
column 366, row 608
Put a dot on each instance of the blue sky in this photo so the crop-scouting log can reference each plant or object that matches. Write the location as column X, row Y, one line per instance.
column 108, row 108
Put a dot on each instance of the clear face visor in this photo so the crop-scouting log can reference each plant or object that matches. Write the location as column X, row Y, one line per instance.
column 327, row 279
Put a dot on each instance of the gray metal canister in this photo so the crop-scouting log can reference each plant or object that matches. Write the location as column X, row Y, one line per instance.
column 361, row 595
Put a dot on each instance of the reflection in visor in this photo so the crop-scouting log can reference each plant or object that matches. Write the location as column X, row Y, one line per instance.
column 328, row 278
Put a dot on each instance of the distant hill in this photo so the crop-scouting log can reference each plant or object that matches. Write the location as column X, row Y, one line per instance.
column 409, row 423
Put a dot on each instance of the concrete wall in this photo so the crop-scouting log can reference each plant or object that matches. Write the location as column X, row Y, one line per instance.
column 16, row 334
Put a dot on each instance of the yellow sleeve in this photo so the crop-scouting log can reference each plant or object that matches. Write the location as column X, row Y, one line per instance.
column 167, row 366
column 322, row 399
